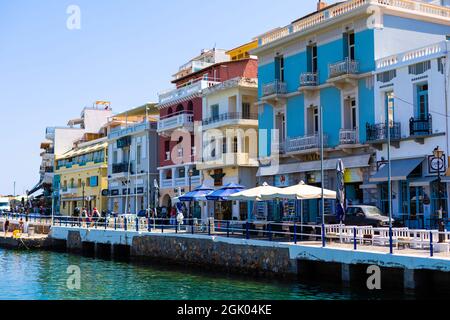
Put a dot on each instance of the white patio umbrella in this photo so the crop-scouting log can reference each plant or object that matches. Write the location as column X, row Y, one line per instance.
column 303, row 191
column 261, row 193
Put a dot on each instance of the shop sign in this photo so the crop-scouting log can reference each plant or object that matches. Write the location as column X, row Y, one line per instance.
column 282, row 181
column 353, row 175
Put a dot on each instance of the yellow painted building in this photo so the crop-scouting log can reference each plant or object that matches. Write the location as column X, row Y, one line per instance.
column 83, row 176
column 242, row 52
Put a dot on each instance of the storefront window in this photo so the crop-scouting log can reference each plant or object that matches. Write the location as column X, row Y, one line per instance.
column 439, row 198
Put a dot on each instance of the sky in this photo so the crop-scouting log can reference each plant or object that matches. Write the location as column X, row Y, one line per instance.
column 125, row 51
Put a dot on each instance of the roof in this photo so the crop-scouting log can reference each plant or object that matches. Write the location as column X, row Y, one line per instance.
column 139, row 111
column 318, row 11
column 202, row 71
column 84, row 150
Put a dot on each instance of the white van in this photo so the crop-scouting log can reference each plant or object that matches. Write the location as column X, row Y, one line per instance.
column 4, row 205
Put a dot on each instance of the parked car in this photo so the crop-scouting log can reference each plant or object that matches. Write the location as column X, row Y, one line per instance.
column 363, row 215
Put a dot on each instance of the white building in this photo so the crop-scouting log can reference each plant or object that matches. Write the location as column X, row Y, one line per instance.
column 411, row 88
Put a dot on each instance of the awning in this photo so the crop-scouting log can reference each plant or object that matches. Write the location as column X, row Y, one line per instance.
column 400, row 170
column 329, row 164
column 422, row 182
column 36, row 188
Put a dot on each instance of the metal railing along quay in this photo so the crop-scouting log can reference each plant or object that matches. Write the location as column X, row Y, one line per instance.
column 422, row 242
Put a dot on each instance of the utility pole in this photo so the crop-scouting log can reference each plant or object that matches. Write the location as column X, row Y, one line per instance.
column 322, row 178
column 388, row 128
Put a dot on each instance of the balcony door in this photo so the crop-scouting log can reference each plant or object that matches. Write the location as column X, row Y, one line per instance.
column 390, row 105
column 312, row 58
column 279, row 68
column 313, row 120
column 280, row 125
column 422, row 102
column 350, row 114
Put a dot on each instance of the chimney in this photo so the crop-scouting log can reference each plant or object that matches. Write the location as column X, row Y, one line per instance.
column 321, row 5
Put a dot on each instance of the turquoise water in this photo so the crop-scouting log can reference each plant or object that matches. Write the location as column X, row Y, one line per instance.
column 43, row 275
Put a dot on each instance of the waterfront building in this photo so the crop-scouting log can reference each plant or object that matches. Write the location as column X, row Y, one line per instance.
column 132, row 159
column 83, row 176
column 58, row 141
column 326, row 60
column 179, row 108
column 411, row 89
column 229, row 131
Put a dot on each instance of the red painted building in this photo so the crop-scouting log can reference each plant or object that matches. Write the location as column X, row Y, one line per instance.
column 180, row 108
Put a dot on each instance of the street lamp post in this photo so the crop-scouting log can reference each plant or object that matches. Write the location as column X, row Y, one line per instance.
column 190, row 174
column 83, row 202
column 438, row 154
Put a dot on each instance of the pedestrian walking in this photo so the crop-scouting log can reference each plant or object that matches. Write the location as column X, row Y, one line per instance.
column 6, row 226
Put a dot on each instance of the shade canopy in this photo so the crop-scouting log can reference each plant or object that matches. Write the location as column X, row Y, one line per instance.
column 223, row 193
column 261, row 193
column 400, row 170
column 302, row 191
column 198, row 194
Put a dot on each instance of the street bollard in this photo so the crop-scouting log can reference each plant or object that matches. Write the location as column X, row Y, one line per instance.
column 176, row 227
column 162, row 227
column 247, row 233
column 431, row 245
column 391, row 242
column 295, row 233
column 209, row 227
column 192, row 226
column 324, row 242
column 137, row 224
column 270, row 231
column 115, row 223
column 149, row 225
column 125, row 224
column 228, row 229
column 355, row 243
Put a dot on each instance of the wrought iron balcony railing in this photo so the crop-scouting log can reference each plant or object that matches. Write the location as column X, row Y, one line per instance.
column 348, row 136
column 309, row 79
column 421, row 126
column 378, row 132
column 276, row 87
column 347, row 66
column 230, row 116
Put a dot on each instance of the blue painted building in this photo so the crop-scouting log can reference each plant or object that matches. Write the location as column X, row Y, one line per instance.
column 327, row 60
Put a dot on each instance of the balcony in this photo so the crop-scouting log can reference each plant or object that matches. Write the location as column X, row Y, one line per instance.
column 231, row 118
column 174, row 96
column 304, row 143
column 176, row 121
column 342, row 68
column 68, row 191
column 50, row 133
column 274, row 88
column 228, row 160
column 308, row 80
column 376, row 134
column 121, row 132
column 422, row 126
column 348, row 137
column 122, row 168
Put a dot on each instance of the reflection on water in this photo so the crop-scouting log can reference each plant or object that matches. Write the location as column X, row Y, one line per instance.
column 43, row 275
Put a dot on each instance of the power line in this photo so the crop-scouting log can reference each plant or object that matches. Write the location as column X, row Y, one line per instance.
column 411, row 104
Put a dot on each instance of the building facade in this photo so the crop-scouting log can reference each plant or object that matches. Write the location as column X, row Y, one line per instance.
column 230, row 135
column 132, row 160
column 83, row 177
column 411, row 93
column 325, row 61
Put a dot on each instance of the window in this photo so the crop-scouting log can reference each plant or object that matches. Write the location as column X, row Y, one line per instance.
column 312, row 58
column 422, row 102
column 246, row 110
column 139, row 154
column 215, row 111
column 181, row 173
column 419, row 68
column 441, row 65
column 115, row 157
column 390, row 105
column 349, row 43
column 315, row 120
column 93, row 181
column 353, row 121
column 386, row 76
column 224, row 145
column 279, row 70
column 235, row 145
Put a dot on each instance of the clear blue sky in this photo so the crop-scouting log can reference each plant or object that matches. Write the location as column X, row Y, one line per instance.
column 125, row 52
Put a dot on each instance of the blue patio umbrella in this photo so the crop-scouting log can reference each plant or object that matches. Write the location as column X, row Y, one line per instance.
column 340, row 191
column 223, row 193
column 198, row 194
